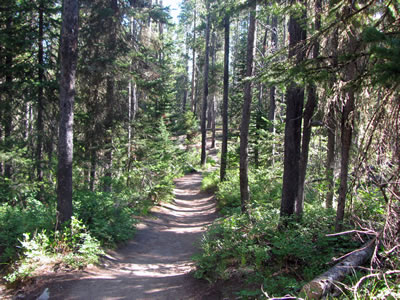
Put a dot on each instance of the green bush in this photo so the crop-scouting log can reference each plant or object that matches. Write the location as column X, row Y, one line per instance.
column 16, row 220
column 282, row 260
column 210, row 181
column 73, row 246
column 108, row 217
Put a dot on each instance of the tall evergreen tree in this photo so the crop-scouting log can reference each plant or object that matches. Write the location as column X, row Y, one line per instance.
column 69, row 56
column 244, row 128
column 205, row 86
column 224, row 146
column 294, row 110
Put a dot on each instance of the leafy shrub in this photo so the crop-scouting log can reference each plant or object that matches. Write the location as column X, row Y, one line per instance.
column 265, row 187
column 283, row 260
column 108, row 217
column 210, row 181
column 74, row 246
column 16, row 220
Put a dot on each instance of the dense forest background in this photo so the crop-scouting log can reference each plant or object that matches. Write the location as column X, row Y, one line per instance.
column 102, row 101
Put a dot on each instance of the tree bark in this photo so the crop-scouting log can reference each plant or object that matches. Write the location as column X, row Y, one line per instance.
column 205, row 88
column 260, row 103
column 331, row 124
column 193, row 94
column 347, row 123
column 7, row 118
column 244, row 128
column 272, row 91
column 110, row 94
column 330, row 158
column 225, row 105
column 69, row 55
column 212, row 104
column 39, row 121
column 274, row 45
column 307, row 117
column 322, row 285
column 346, row 136
column 294, row 109
column 185, row 91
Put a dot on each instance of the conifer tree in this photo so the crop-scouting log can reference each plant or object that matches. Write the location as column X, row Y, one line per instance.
column 69, row 56
column 244, row 128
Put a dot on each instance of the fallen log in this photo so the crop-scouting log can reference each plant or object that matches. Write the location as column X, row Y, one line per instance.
column 322, row 285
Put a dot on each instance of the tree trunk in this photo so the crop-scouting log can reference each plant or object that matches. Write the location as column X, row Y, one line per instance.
column 272, row 101
column 39, row 124
column 347, row 123
column 213, row 123
column 205, row 89
column 294, row 109
column 244, row 128
column 185, row 91
column 7, row 118
column 212, row 104
column 346, row 136
column 110, row 94
column 322, row 285
column 330, row 159
column 68, row 53
column 93, row 166
column 193, row 95
column 108, row 153
column 331, row 124
column 224, row 147
column 260, row 102
column 308, row 114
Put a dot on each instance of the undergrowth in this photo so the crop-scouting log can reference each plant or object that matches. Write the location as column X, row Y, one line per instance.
column 74, row 247
column 28, row 239
column 281, row 260
column 256, row 250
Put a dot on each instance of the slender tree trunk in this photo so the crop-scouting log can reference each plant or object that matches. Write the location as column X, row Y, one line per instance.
column 93, row 166
column 193, row 95
column 307, row 117
column 205, row 89
column 130, row 93
column 224, row 147
column 347, row 132
column 347, row 124
column 69, row 55
column 330, row 159
column 308, row 113
column 260, row 102
column 39, row 124
column 108, row 153
column 210, row 112
column 212, row 104
column 110, row 94
column 294, row 109
column 331, row 124
column 7, row 118
column 244, row 128
column 185, row 91
column 272, row 91
column 213, row 125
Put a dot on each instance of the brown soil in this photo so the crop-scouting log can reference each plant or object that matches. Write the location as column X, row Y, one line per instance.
column 156, row 264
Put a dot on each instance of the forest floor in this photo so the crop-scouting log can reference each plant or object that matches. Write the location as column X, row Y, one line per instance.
column 156, row 264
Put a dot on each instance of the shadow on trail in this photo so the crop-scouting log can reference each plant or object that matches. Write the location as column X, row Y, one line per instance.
column 157, row 263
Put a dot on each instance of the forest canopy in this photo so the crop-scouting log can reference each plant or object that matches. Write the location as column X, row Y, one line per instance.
column 104, row 102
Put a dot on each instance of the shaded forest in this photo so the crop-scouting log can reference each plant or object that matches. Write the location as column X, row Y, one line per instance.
column 104, row 103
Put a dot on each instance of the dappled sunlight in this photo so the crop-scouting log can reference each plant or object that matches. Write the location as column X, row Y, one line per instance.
column 157, row 263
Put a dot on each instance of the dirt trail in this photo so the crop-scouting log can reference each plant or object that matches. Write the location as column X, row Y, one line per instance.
column 157, row 262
